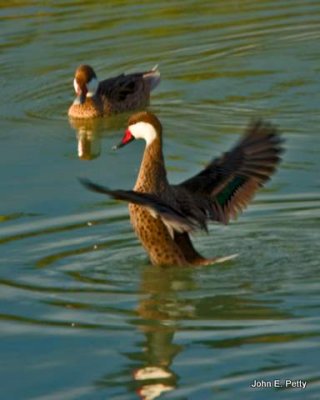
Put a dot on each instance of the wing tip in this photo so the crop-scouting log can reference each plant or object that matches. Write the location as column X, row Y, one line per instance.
column 93, row 186
column 153, row 77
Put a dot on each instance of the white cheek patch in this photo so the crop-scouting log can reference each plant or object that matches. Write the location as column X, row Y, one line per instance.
column 76, row 86
column 143, row 130
column 92, row 87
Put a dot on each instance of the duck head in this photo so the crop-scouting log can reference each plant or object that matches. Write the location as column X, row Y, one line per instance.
column 85, row 82
column 142, row 125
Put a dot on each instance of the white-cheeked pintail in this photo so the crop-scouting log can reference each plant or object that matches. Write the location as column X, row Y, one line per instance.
column 125, row 92
column 163, row 215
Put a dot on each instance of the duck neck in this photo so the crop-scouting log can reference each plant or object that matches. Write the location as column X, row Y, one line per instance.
column 152, row 176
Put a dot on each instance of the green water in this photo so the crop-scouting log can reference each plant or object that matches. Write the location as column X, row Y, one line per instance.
column 83, row 315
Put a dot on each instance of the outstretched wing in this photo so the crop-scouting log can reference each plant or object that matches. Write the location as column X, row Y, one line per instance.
column 226, row 186
column 173, row 218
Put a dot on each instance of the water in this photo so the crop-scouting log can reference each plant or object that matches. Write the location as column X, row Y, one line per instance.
column 83, row 315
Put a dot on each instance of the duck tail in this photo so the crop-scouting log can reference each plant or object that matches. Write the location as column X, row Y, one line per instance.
column 152, row 77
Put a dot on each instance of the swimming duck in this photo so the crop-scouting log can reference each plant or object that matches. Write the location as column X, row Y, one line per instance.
column 113, row 95
column 163, row 215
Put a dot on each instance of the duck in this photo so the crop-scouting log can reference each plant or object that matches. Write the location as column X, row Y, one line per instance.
column 125, row 92
column 164, row 215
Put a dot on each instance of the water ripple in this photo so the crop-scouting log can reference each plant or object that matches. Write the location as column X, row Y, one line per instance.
column 76, row 287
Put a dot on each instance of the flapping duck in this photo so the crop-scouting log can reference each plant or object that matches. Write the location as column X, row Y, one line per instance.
column 164, row 215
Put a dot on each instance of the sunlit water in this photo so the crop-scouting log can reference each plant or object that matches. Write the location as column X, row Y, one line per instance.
column 83, row 315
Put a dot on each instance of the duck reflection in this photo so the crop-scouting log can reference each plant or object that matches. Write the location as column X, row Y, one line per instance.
column 169, row 298
column 160, row 312
column 89, row 134
column 89, row 145
column 166, row 300
column 88, row 137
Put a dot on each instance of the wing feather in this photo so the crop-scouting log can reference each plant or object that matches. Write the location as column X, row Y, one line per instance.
column 173, row 218
column 227, row 185
column 120, row 87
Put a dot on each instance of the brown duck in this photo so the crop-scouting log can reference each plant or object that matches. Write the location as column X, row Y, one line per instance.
column 163, row 215
column 113, row 95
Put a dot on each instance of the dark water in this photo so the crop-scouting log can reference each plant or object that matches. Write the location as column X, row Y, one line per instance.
column 83, row 315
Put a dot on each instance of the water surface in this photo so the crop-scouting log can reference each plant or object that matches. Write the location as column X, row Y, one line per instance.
column 83, row 315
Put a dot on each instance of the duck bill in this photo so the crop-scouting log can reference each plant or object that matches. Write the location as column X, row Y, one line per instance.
column 82, row 93
column 127, row 138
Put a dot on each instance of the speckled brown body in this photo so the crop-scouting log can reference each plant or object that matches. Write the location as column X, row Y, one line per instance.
column 151, row 231
column 99, row 106
column 155, row 238
column 91, row 108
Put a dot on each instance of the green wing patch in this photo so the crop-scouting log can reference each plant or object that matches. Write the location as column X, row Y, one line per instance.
column 226, row 194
